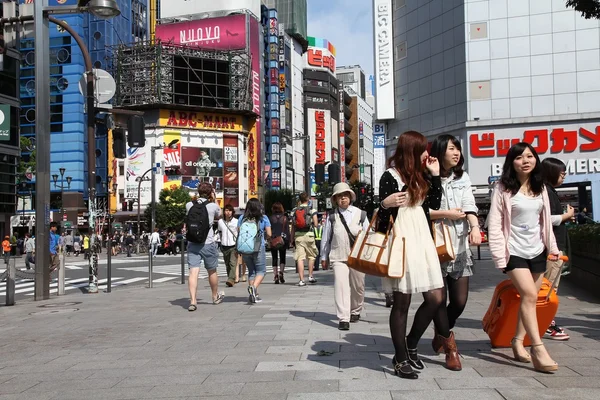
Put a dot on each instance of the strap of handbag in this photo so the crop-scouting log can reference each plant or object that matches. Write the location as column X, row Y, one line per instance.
column 351, row 237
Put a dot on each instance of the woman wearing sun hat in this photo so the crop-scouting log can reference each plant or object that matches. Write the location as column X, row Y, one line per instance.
column 336, row 244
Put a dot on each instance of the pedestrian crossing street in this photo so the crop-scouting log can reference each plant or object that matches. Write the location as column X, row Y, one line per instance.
column 26, row 286
column 175, row 269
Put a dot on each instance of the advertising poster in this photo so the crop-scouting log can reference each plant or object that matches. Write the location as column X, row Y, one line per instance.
column 202, row 162
column 231, row 179
column 171, row 159
column 136, row 163
column 256, row 133
column 222, row 33
column 379, row 153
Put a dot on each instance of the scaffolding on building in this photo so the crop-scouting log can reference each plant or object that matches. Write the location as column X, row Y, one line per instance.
column 164, row 73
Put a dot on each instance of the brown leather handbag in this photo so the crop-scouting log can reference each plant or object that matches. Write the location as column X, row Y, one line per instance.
column 373, row 252
column 443, row 242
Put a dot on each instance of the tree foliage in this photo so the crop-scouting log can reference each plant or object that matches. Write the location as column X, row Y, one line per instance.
column 170, row 209
column 27, row 160
column 587, row 8
column 284, row 196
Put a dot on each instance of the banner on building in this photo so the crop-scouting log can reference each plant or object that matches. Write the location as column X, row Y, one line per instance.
column 136, row 164
column 379, row 159
column 319, row 131
column 4, row 122
column 221, row 33
column 384, row 60
column 231, row 179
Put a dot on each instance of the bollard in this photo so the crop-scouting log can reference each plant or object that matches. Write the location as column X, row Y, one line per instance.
column 150, row 270
column 479, row 252
column 61, row 275
column 182, row 249
column 10, row 284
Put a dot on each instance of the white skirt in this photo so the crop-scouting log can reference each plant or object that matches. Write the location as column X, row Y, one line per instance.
column 423, row 271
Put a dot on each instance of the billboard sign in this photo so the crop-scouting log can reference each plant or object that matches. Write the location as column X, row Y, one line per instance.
column 136, row 163
column 379, row 132
column 319, row 131
column 577, row 145
column 384, row 60
column 320, row 55
column 221, row 33
column 186, row 8
column 4, row 122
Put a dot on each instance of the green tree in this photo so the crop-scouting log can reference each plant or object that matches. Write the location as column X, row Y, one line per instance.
column 170, row 209
column 587, row 8
column 284, row 196
column 27, row 160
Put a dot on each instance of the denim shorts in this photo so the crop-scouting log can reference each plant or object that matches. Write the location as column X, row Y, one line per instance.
column 256, row 263
column 198, row 252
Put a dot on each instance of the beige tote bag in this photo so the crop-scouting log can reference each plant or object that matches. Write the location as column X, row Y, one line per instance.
column 443, row 242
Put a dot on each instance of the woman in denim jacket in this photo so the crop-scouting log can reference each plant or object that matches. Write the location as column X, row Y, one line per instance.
column 459, row 213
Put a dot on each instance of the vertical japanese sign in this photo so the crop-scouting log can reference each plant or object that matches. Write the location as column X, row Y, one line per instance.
column 4, row 122
column 253, row 165
column 231, row 179
column 342, row 133
column 379, row 154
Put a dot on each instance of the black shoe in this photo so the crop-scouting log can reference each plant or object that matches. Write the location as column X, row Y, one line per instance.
column 354, row 318
column 413, row 359
column 281, row 277
column 344, row 326
column 404, row 370
column 277, row 279
column 389, row 300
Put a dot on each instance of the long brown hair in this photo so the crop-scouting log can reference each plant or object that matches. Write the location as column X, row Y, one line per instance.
column 407, row 161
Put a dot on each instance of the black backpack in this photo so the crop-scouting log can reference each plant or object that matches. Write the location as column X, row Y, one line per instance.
column 197, row 223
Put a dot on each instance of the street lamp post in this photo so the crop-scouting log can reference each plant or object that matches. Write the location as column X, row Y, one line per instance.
column 62, row 188
column 153, row 149
column 102, row 9
column 109, row 241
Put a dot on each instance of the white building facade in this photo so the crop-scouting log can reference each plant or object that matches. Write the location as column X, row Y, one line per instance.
column 493, row 72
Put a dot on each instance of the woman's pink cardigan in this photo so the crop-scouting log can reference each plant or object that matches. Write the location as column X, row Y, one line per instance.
column 499, row 226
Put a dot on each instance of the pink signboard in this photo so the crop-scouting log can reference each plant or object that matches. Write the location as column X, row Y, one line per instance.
column 222, row 33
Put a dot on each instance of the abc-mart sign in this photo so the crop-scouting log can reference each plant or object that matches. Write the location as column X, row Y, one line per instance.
column 577, row 145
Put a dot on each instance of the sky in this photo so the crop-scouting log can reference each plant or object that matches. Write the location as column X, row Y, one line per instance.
column 348, row 25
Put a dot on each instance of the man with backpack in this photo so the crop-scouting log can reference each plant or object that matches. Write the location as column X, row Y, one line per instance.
column 304, row 219
column 341, row 230
column 201, row 246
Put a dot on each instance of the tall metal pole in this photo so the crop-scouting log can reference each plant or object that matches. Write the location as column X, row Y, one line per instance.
column 109, row 255
column 42, row 141
column 153, row 205
column 91, row 154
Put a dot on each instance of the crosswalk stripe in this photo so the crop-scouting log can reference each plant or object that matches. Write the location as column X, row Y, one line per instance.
column 132, row 280
column 165, row 279
column 68, row 284
column 80, row 285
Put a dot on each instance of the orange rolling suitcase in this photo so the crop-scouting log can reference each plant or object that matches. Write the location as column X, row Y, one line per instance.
column 500, row 320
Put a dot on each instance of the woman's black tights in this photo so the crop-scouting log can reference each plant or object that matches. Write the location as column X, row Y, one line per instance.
column 428, row 311
column 458, row 293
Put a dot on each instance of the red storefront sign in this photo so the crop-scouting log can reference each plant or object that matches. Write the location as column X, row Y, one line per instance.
column 320, row 136
column 317, row 59
column 557, row 140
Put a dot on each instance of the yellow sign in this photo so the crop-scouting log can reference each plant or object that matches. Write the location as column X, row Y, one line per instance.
column 201, row 120
column 253, row 163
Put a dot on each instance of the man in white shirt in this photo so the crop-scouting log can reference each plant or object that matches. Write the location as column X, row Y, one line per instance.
column 228, row 227
column 336, row 245
column 155, row 242
column 207, row 252
column 29, row 250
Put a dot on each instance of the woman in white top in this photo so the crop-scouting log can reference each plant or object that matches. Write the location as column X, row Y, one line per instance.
column 459, row 213
column 521, row 239
column 228, row 233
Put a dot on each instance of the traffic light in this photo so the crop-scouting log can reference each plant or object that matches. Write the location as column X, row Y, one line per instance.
column 319, row 174
column 334, row 173
column 172, row 171
column 119, row 147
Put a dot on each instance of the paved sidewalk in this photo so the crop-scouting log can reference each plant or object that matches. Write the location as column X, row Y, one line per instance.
column 139, row 343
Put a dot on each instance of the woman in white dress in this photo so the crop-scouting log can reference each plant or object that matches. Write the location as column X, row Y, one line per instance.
column 459, row 213
column 410, row 187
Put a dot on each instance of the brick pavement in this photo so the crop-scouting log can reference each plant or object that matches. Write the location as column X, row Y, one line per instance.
column 139, row 343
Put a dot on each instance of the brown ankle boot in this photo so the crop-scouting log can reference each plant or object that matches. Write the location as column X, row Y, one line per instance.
column 452, row 357
column 436, row 343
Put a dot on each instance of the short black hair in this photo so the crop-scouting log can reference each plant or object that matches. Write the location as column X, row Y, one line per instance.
column 438, row 150
column 509, row 180
column 229, row 207
column 552, row 168
column 53, row 224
